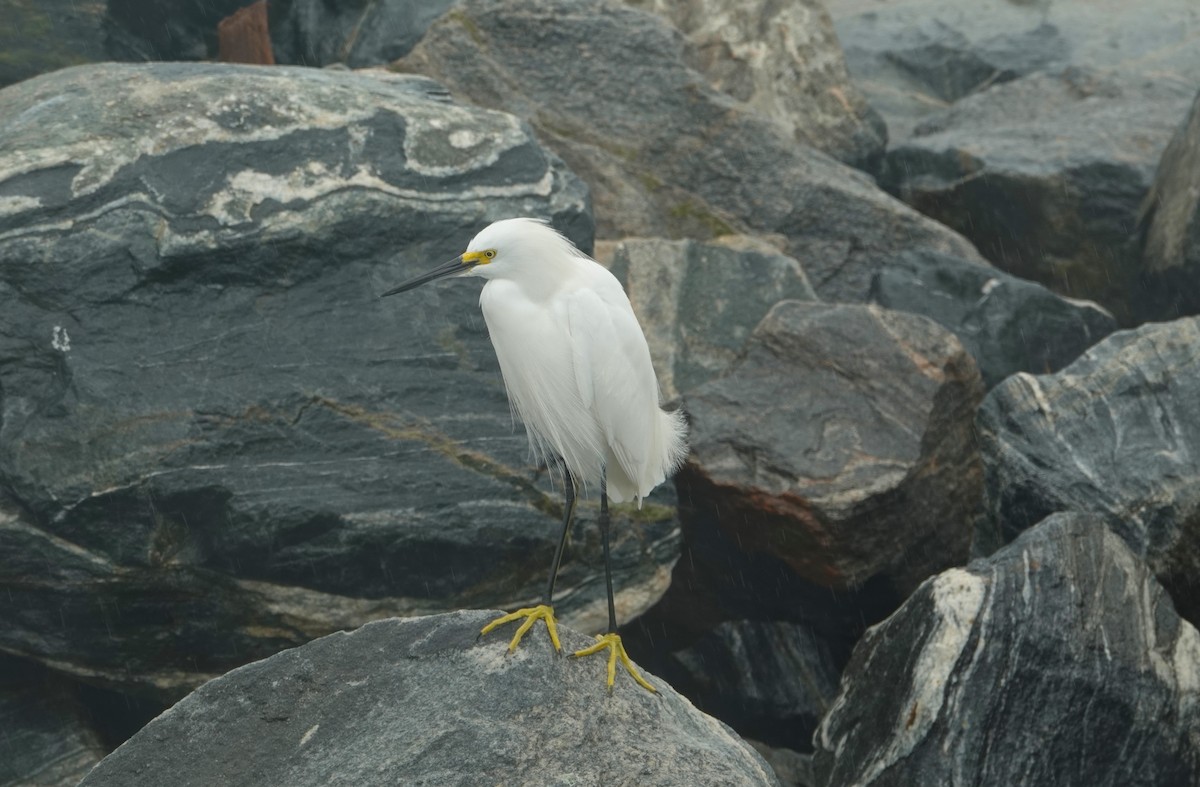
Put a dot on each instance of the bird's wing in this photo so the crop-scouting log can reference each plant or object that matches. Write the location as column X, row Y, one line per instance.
column 614, row 374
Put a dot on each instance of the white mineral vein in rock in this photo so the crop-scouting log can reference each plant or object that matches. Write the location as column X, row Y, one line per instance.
column 18, row 204
column 958, row 598
column 308, row 735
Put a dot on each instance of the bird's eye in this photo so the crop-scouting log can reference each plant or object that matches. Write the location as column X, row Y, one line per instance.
column 490, row 253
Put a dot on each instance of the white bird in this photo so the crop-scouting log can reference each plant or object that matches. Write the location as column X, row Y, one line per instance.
column 578, row 374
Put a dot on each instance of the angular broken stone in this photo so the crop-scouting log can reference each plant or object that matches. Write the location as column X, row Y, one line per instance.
column 842, row 444
column 1044, row 192
column 1116, row 433
column 1058, row 660
column 784, row 62
column 609, row 88
column 1008, row 324
column 699, row 301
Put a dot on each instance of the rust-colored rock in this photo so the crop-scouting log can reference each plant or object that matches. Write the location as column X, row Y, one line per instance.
column 244, row 37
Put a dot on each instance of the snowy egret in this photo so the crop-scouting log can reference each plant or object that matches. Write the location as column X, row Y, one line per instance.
column 577, row 371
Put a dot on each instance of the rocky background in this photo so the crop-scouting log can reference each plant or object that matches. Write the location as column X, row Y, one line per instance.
column 923, row 275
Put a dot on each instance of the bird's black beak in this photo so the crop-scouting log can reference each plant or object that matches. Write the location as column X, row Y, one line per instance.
column 456, row 266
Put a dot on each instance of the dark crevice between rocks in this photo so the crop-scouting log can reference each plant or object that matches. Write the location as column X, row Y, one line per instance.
column 114, row 715
column 717, row 581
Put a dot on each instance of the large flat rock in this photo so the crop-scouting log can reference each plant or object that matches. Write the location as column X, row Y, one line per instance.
column 423, row 702
column 217, row 440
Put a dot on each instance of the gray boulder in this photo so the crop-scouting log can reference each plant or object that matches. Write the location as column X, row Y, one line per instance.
column 833, row 467
column 1059, row 660
column 425, row 701
column 218, row 442
column 770, row 680
column 1046, row 175
column 842, row 444
column 783, row 62
column 609, row 89
column 699, row 301
column 1117, row 434
column 1008, row 324
column 1171, row 218
column 914, row 57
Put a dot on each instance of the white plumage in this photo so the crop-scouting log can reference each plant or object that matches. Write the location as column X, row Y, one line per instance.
column 574, row 359
column 578, row 374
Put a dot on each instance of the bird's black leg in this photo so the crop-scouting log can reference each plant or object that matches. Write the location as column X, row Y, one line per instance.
column 568, row 515
column 604, row 528
column 611, row 641
column 545, row 610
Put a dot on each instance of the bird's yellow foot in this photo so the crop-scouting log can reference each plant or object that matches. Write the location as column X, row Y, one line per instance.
column 616, row 650
column 531, row 615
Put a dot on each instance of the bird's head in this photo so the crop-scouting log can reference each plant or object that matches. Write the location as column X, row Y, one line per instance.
column 504, row 249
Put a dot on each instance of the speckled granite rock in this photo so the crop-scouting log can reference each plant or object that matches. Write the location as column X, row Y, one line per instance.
column 423, row 702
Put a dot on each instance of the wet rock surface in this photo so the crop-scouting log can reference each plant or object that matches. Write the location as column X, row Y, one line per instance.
column 424, row 701
column 1059, row 660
